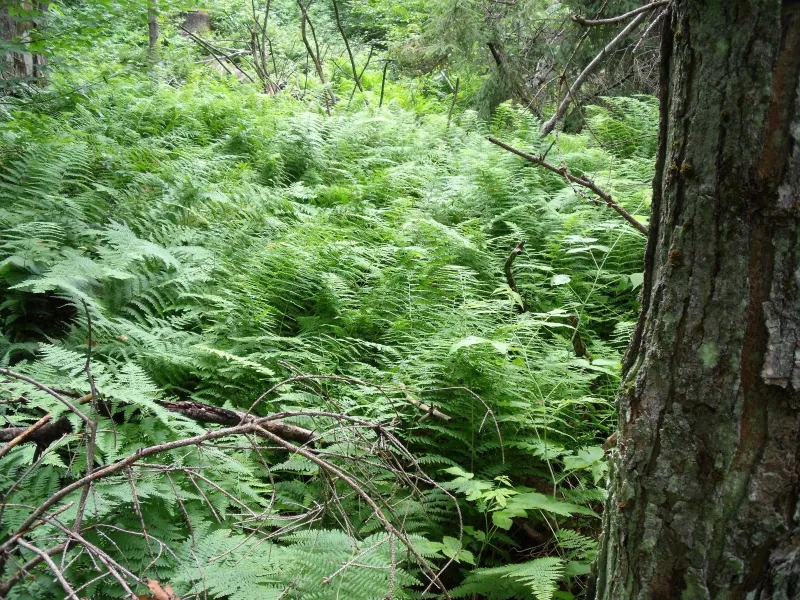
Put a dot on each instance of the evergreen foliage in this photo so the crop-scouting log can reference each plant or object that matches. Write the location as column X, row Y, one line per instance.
column 206, row 241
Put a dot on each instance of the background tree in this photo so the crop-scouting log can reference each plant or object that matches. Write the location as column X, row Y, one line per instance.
column 21, row 39
column 706, row 477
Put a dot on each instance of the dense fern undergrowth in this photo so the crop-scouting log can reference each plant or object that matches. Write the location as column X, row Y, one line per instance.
column 205, row 242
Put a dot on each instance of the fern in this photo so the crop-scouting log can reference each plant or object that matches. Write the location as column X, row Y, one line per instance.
column 221, row 240
column 534, row 579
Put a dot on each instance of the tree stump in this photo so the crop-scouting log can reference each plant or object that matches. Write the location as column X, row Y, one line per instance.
column 197, row 22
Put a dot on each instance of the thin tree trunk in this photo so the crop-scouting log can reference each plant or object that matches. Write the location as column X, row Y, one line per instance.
column 152, row 23
column 305, row 23
column 21, row 31
column 703, row 502
column 339, row 26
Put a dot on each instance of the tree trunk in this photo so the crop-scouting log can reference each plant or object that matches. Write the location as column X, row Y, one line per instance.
column 152, row 23
column 703, row 500
column 18, row 27
column 197, row 22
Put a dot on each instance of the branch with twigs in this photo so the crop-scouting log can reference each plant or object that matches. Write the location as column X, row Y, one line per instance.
column 588, row 70
column 373, row 445
column 581, row 181
column 349, row 469
column 217, row 54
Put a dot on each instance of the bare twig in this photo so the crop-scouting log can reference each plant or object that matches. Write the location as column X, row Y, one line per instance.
column 53, row 567
column 305, row 23
column 91, row 427
column 427, row 409
column 363, row 70
column 216, row 54
column 47, row 390
column 383, row 80
column 587, row 183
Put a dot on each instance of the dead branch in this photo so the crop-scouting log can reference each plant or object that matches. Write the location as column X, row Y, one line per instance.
column 383, row 80
column 499, row 59
column 431, row 411
column 577, row 341
column 206, row 413
column 509, row 263
column 42, row 433
column 576, row 86
column 587, row 183
column 92, row 426
column 619, row 18
column 218, row 55
column 377, row 446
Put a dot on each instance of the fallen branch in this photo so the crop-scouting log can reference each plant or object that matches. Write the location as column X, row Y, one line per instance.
column 315, row 57
column 206, row 413
column 573, row 91
column 53, row 567
column 213, row 51
column 42, row 433
column 619, row 18
column 587, row 183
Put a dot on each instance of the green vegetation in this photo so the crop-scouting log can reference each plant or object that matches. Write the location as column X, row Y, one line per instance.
column 171, row 237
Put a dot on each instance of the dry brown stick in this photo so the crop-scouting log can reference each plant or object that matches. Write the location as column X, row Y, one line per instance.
column 207, row 413
column 428, row 410
column 91, row 427
column 24, row 570
column 120, row 465
column 352, row 484
column 113, row 567
column 363, row 70
column 587, row 183
column 383, row 80
column 499, row 59
column 619, row 18
column 213, row 51
column 573, row 90
column 26, row 433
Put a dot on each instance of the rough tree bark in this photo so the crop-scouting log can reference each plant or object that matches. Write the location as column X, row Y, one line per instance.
column 703, row 501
